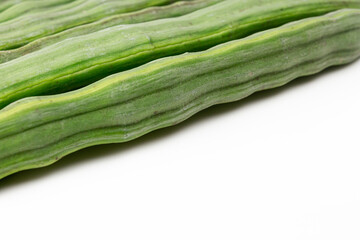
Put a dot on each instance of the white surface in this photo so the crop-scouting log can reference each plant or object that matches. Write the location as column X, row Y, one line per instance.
column 283, row 164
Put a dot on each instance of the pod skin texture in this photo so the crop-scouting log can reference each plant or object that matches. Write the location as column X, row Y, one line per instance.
column 29, row 7
column 6, row 4
column 38, row 131
column 79, row 61
column 28, row 27
column 145, row 15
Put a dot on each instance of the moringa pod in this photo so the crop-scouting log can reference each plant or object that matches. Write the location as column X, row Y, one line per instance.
column 28, row 27
column 24, row 7
column 5, row 4
column 37, row 131
column 148, row 14
column 79, row 61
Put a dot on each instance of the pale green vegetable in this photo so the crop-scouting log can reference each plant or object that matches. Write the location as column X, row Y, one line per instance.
column 29, row 27
column 24, row 7
column 79, row 61
column 38, row 131
column 144, row 15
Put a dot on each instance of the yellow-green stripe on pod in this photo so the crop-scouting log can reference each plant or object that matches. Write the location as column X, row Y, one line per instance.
column 38, row 131
column 29, row 27
column 79, row 61
column 148, row 14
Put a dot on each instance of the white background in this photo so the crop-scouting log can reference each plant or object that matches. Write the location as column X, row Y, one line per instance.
column 282, row 164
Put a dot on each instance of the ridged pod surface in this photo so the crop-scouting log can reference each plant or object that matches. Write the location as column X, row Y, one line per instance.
column 79, row 61
column 37, row 131
column 29, row 7
column 26, row 28
column 5, row 4
column 173, row 10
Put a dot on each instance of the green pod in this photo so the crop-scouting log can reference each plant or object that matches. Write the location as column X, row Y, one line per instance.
column 38, row 131
column 173, row 10
column 26, row 28
column 79, row 61
column 28, row 7
column 5, row 4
